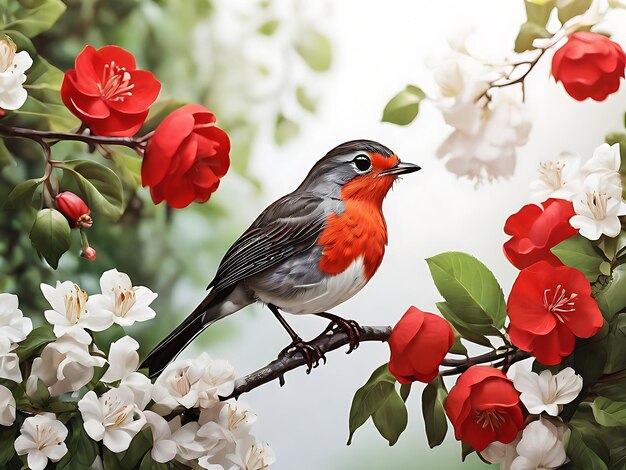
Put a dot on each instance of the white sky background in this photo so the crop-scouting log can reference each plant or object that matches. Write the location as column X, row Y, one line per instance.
column 379, row 48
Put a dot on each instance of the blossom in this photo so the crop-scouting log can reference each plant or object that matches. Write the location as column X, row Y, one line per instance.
column 107, row 92
column 9, row 361
column 589, row 65
column 42, row 438
column 74, row 209
column 193, row 382
column 163, row 446
column 186, row 157
column 14, row 327
column 252, row 455
column 234, row 420
column 545, row 391
column 560, row 179
column 13, row 66
column 120, row 301
column 114, row 418
column 483, row 406
column 187, row 445
column 69, row 313
column 502, row 454
column 541, row 446
column 7, row 407
column 549, row 307
column 65, row 365
column 418, row 344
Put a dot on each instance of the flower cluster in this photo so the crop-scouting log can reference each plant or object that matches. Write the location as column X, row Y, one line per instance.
column 82, row 391
column 13, row 67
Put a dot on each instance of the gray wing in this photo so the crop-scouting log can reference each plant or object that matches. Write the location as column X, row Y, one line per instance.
column 290, row 225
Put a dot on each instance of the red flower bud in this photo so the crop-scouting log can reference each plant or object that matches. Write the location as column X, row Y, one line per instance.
column 589, row 65
column 418, row 344
column 88, row 253
column 74, row 209
column 484, row 407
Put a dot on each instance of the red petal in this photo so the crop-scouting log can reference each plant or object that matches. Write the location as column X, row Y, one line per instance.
column 178, row 192
column 518, row 224
column 87, row 78
column 202, row 176
column 107, row 54
column 119, row 125
column 145, row 91
column 493, row 392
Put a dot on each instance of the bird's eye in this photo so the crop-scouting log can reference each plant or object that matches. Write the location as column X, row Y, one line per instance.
column 362, row 162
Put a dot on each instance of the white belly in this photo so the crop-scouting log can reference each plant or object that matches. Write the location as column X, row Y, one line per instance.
column 324, row 295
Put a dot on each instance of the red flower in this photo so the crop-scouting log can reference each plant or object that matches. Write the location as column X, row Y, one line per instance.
column 186, row 157
column 535, row 231
column 549, row 307
column 418, row 344
column 590, row 65
column 74, row 209
column 484, row 407
column 107, row 92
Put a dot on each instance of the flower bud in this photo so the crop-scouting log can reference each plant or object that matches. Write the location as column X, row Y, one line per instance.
column 74, row 209
column 89, row 253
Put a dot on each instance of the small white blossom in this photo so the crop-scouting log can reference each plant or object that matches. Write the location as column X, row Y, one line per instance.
column 42, row 438
column 13, row 66
column 545, row 392
column 187, row 445
column 9, row 362
column 114, row 418
column 13, row 325
column 7, row 407
column 122, row 302
column 69, row 314
column 193, row 383
column 234, row 419
column 163, row 446
column 560, row 179
column 541, row 447
column 502, row 454
column 65, row 365
column 123, row 359
column 605, row 163
column 252, row 455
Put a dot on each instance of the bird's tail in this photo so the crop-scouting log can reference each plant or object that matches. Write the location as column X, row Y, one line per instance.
column 210, row 310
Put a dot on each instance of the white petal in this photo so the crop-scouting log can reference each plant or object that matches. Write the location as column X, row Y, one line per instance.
column 37, row 460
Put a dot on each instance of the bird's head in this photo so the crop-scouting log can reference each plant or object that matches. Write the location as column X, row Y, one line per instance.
column 359, row 169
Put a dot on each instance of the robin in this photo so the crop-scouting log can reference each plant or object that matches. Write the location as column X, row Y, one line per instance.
column 306, row 253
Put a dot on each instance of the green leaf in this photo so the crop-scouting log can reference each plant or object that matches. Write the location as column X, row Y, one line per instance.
column 471, row 332
column 612, row 297
column 7, row 451
column 269, row 27
column 616, row 345
column 285, row 130
column 82, row 450
column 608, row 412
column 612, row 391
column 50, row 235
column 41, row 397
column 458, row 347
column 572, row 8
column 141, row 443
column 528, row 32
column 110, row 461
column 433, row 399
column 581, row 454
column 36, row 340
column 148, row 464
column 33, row 17
column 403, row 108
column 305, row 100
column 6, row 157
column 315, row 50
column 391, row 417
column 22, row 194
column 370, row 397
column 466, row 450
column 405, row 391
column 128, row 165
column 538, row 11
column 578, row 252
column 99, row 185
column 470, row 289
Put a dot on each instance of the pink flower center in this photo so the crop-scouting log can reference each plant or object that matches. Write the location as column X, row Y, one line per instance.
column 559, row 302
column 115, row 84
column 491, row 418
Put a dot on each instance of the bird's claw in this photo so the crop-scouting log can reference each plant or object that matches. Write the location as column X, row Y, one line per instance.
column 311, row 352
column 350, row 327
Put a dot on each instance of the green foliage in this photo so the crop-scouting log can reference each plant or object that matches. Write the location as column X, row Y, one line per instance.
column 22, row 194
column 573, row 8
column 50, row 235
column 35, row 341
column 391, row 417
column 611, row 296
column 528, row 32
column 616, row 345
column 315, row 50
column 403, row 108
column 578, row 252
column 538, row 11
column 81, row 449
column 581, row 454
column 31, row 17
column 269, row 27
column 608, row 412
column 305, row 100
column 433, row 399
column 285, row 129
column 7, row 435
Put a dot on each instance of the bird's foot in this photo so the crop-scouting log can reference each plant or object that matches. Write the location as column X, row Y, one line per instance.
column 350, row 327
column 311, row 352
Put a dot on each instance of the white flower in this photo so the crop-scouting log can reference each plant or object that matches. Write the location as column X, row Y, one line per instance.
column 114, row 418
column 500, row 453
column 598, row 208
column 13, row 66
column 123, row 359
column 233, row 418
column 9, row 362
column 7, row 407
column 42, row 438
column 605, row 163
column 560, row 179
column 187, row 445
column 65, row 365
column 163, row 446
column 13, row 325
column 541, row 447
column 193, row 383
column 120, row 301
column 69, row 314
column 252, row 455
column 545, row 392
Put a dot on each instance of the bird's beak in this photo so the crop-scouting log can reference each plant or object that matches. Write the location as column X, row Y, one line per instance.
column 400, row 169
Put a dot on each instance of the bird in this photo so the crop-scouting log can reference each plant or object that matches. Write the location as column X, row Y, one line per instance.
column 306, row 253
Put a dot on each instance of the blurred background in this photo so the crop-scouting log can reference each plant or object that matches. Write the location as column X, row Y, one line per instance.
column 289, row 80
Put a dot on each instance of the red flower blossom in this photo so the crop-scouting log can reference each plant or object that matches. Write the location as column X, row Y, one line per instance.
column 418, row 344
column 186, row 157
column 535, row 231
column 107, row 92
column 484, row 407
column 74, row 209
column 549, row 307
column 590, row 65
